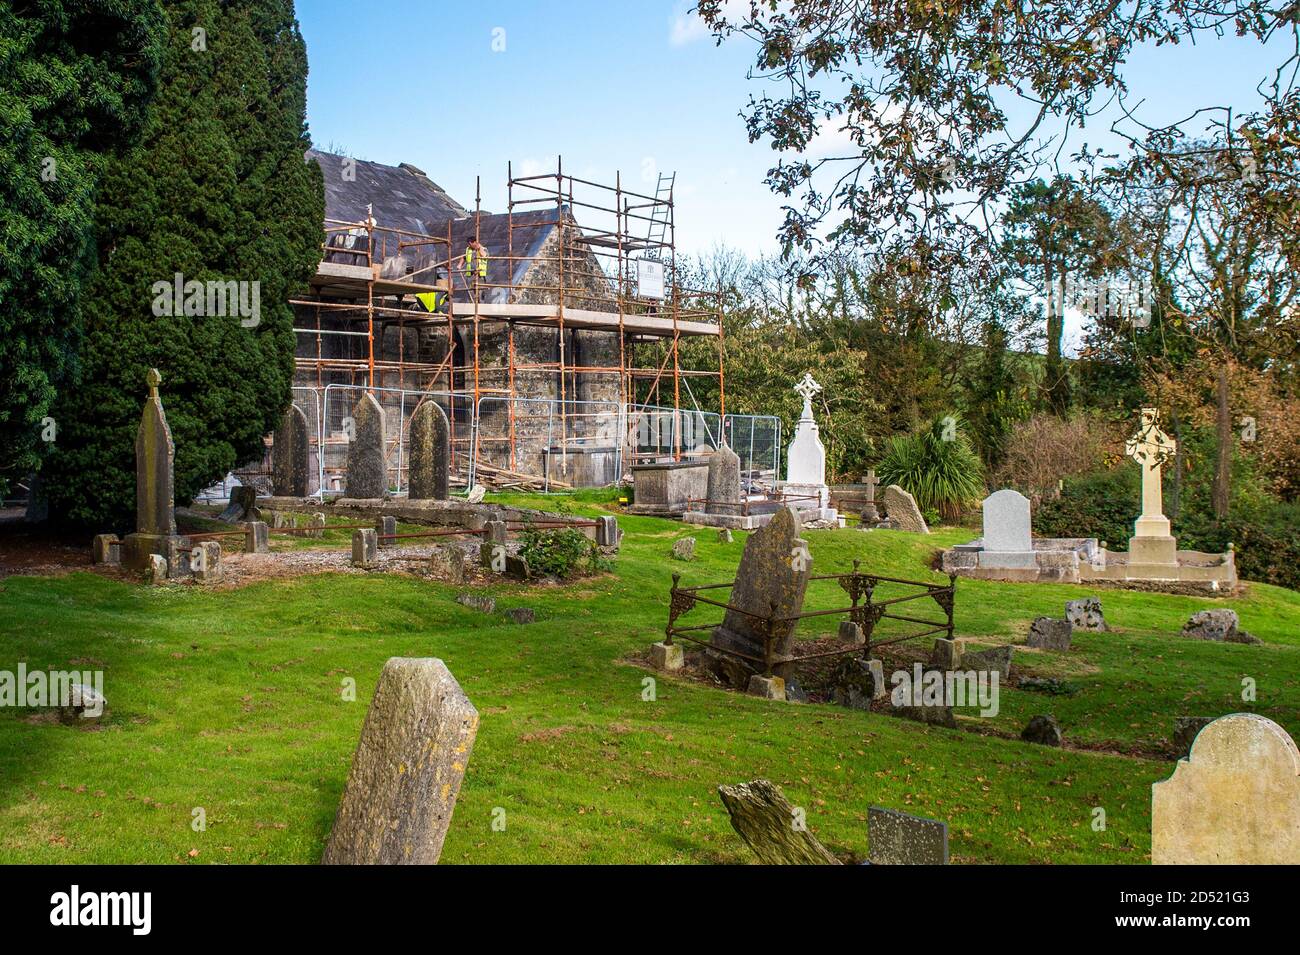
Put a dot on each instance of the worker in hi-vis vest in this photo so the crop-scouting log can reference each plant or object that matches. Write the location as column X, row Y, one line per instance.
column 476, row 262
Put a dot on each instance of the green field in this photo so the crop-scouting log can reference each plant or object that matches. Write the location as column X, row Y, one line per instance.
column 230, row 700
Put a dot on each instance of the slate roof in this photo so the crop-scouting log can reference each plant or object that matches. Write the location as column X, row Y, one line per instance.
column 403, row 196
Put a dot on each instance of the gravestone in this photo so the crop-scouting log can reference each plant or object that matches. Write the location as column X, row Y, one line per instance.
column 851, row 633
column 290, row 449
column 723, row 494
column 479, row 602
column 725, row 535
column 856, row 682
column 205, row 562
column 430, row 463
column 243, row 501
column 367, row 475
column 1234, row 801
column 385, row 530
column 607, row 532
column 770, row 825
column 1151, row 543
column 476, row 494
column 991, row 659
column 156, row 569
column 1042, row 730
column 901, row 509
column 365, row 547
column 897, row 838
column 684, row 548
column 1008, row 542
column 85, row 706
column 495, row 531
column 107, row 549
column 448, row 562
column 1047, row 633
column 774, row 570
column 870, row 515
column 1085, row 614
column 522, row 615
column 1218, row 625
column 805, row 468
column 946, row 654
column 407, row 770
column 256, row 538
column 155, row 514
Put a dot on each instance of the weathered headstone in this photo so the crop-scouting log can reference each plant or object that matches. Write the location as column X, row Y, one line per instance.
column 1152, row 542
column 902, row 511
column 607, row 532
column 990, row 659
column 365, row 547
column 1042, row 730
column 367, row 451
column 448, row 562
column 178, row 551
column 946, row 654
column 290, row 451
column 479, row 602
column 155, row 513
column 385, row 530
column 430, row 453
column 725, row 535
column 522, row 615
column 243, row 500
column 1085, row 614
column 771, row 826
column 684, row 548
column 851, row 633
column 1218, row 625
column 476, row 494
column 495, row 531
column 1007, row 522
column 870, row 514
column 856, row 682
column 897, row 838
column 257, row 538
column 205, row 562
column 156, row 569
column 772, row 577
column 407, row 770
column 1234, row 801
column 724, row 482
column 1048, row 633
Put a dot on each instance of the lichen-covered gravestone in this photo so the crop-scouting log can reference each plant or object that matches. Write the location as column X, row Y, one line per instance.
column 289, row 455
column 407, row 770
column 724, row 482
column 1048, row 633
column 898, row 838
column 902, row 511
column 1085, row 614
column 155, row 491
column 430, row 453
column 773, row 828
column 774, row 570
column 367, row 460
column 1234, row 801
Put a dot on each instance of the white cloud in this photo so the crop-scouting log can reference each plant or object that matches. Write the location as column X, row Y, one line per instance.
column 687, row 27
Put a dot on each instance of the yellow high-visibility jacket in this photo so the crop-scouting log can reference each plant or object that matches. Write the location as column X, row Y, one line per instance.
column 471, row 261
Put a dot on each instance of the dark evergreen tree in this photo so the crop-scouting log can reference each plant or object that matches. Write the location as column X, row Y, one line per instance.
column 217, row 191
column 76, row 77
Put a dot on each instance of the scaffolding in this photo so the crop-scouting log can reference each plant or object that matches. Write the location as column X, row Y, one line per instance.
column 568, row 256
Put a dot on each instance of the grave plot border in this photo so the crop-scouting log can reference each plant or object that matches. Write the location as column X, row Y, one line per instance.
column 864, row 610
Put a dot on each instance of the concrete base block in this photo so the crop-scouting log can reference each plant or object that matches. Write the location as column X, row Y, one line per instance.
column 667, row 656
column 767, row 687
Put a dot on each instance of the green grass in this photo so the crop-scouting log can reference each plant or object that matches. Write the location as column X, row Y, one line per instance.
column 231, row 701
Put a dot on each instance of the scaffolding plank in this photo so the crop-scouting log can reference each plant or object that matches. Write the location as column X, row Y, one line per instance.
column 659, row 326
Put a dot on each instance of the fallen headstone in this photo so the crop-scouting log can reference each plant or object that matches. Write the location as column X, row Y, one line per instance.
column 480, row 602
column 521, row 614
column 1042, row 730
column 243, row 499
column 993, row 659
column 1219, row 625
column 476, row 494
column 1234, row 801
column 407, row 770
column 448, row 563
column 897, row 838
column 1085, row 614
column 774, row 829
column 1048, row 633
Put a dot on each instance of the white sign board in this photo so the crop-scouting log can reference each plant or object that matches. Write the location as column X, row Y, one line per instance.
column 649, row 278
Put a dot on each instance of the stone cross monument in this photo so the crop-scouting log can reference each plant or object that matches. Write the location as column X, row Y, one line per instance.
column 870, row 514
column 805, row 469
column 1152, row 542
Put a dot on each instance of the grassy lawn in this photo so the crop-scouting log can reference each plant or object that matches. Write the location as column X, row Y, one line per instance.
column 231, row 701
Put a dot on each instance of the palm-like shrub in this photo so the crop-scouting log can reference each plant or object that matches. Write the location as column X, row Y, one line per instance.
column 937, row 466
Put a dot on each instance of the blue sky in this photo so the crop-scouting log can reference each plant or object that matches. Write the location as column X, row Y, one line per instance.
column 613, row 85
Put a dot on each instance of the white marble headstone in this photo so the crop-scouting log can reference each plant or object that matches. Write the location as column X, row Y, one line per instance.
column 1006, row 522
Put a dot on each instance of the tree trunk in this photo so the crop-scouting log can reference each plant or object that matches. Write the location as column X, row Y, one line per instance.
column 1223, row 433
column 1055, row 375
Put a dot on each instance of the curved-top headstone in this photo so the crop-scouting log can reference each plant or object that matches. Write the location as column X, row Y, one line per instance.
column 774, row 569
column 1234, row 801
column 430, row 453
column 367, row 460
column 407, row 770
column 724, row 482
column 155, row 454
column 1006, row 522
column 900, row 507
column 289, row 455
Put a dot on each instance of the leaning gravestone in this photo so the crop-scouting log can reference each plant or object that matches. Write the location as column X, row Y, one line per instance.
column 1048, row 633
column 407, row 770
column 367, row 462
column 430, row 453
column 764, row 818
column 724, row 482
column 774, row 570
column 901, row 509
column 289, row 455
column 897, row 838
column 1234, row 801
